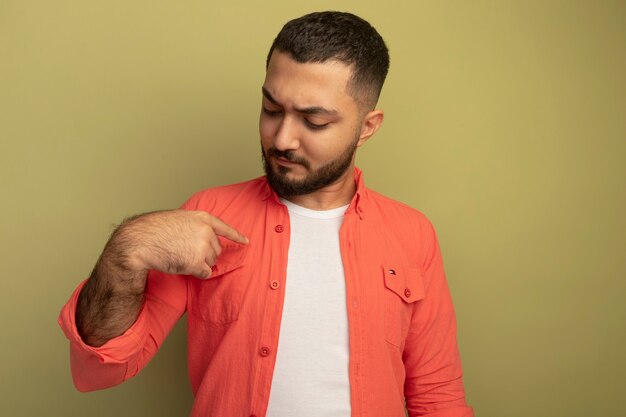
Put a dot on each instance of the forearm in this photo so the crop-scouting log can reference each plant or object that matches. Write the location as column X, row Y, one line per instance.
column 122, row 357
column 112, row 297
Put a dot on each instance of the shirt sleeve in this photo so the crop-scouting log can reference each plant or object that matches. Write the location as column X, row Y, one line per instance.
column 124, row 356
column 433, row 385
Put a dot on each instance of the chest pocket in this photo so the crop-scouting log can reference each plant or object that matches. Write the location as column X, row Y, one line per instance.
column 217, row 300
column 403, row 287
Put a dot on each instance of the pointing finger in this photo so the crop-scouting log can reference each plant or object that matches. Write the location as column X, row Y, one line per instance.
column 222, row 229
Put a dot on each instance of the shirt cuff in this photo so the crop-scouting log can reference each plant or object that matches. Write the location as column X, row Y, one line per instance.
column 118, row 350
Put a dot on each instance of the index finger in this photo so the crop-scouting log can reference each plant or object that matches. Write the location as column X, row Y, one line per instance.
column 222, row 229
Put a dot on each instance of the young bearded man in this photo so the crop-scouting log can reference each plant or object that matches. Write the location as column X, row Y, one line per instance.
column 307, row 293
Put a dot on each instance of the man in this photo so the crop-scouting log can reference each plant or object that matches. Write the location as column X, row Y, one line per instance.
column 307, row 294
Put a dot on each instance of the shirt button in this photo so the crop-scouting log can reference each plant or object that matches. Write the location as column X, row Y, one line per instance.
column 274, row 285
column 407, row 293
column 279, row 228
column 264, row 351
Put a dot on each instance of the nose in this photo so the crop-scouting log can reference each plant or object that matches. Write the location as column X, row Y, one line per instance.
column 287, row 135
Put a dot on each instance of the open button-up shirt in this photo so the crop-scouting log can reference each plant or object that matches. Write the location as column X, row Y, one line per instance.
column 402, row 326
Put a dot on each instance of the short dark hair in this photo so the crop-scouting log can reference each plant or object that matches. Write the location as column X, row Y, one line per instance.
column 340, row 36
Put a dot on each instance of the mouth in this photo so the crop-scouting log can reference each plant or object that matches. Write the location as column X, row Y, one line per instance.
column 285, row 162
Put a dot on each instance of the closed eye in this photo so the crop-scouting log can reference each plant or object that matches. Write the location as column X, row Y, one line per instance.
column 315, row 126
column 271, row 112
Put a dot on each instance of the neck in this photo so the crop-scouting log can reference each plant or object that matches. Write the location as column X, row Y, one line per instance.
column 337, row 194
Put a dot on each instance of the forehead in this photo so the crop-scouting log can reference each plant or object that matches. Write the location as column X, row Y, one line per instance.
column 295, row 84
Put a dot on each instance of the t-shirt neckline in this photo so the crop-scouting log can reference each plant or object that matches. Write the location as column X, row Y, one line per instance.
column 316, row 214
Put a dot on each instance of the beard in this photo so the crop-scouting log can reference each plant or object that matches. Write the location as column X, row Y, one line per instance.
column 315, row 180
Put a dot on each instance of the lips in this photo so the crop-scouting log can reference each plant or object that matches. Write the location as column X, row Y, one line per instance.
column 285, row 162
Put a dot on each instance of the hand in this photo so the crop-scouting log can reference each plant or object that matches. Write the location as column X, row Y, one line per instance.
column 175, row 242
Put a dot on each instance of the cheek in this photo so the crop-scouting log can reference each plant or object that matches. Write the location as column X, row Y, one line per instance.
column 267, row 127
column 332, row 143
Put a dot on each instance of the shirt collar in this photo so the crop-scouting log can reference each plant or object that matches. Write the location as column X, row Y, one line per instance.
column 357, row 205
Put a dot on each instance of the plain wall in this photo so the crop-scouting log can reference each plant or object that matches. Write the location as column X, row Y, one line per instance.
column 505, row 124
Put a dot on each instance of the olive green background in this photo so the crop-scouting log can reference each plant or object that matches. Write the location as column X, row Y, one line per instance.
column 505, row 124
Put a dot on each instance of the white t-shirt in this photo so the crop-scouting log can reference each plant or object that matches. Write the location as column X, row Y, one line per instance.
column 311, row 375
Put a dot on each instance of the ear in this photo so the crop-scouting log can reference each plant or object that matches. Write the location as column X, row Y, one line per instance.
column 371, row 122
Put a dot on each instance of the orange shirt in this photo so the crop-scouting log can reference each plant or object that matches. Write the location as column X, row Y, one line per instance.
column 402, row 327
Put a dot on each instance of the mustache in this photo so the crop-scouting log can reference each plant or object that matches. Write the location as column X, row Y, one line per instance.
column 288, row 155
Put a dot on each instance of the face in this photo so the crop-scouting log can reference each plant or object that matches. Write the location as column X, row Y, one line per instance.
column 310, row 127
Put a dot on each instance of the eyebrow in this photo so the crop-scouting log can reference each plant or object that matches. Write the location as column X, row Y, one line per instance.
column 306, row 110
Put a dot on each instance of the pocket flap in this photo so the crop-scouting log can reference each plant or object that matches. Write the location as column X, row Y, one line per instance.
column 406, row 283
column 217, row 299
column 231, row 258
